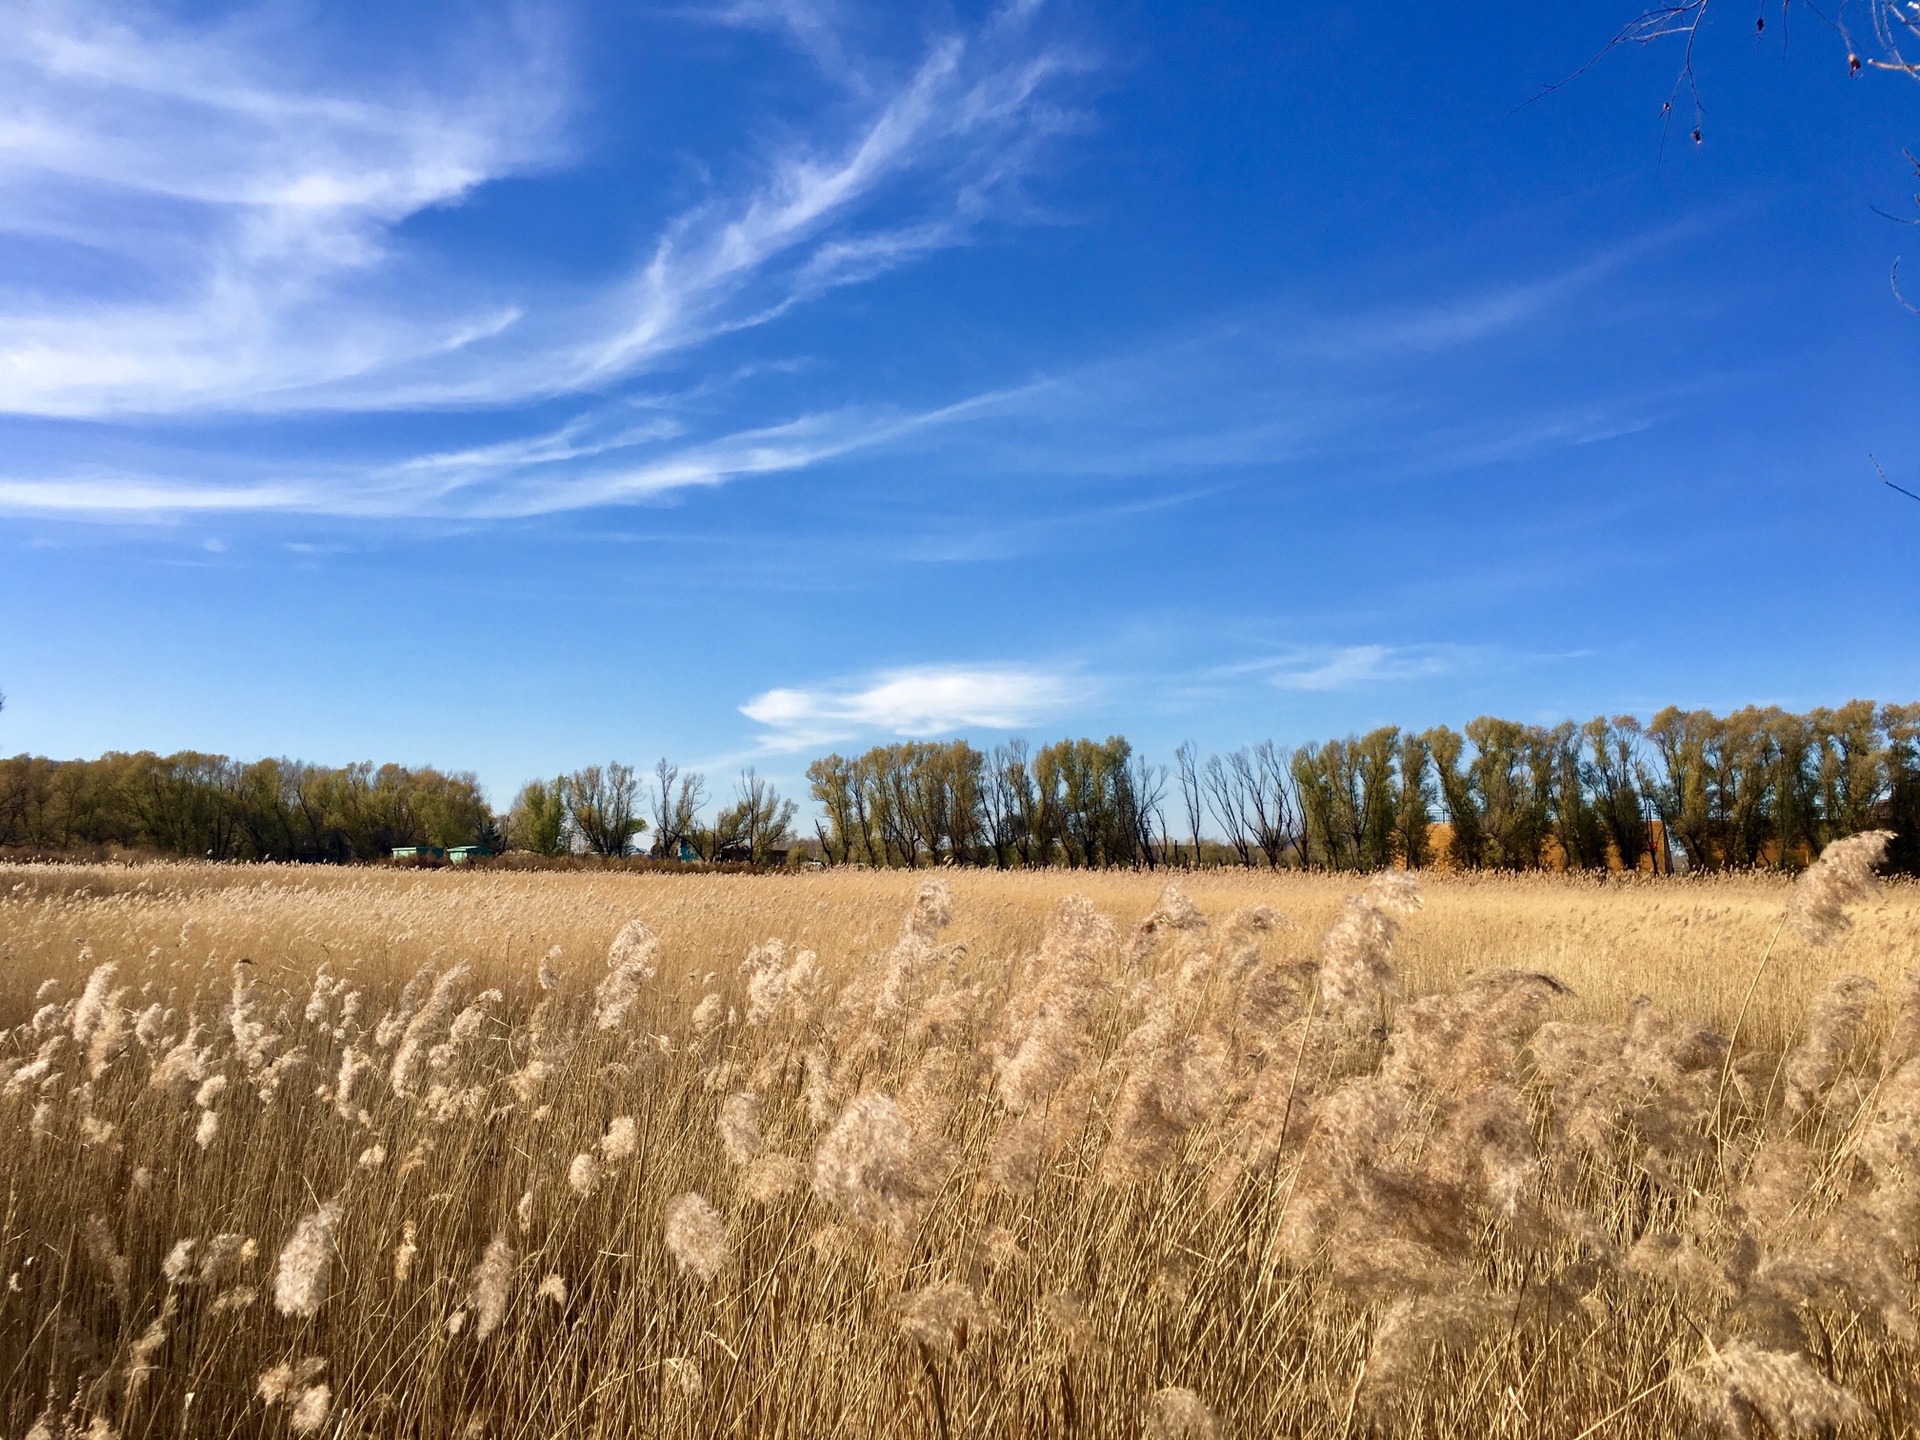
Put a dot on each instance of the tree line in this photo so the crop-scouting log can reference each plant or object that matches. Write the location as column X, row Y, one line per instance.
column 607, row 810
column 213, row 807
column 210, row 806
column 1760, row 787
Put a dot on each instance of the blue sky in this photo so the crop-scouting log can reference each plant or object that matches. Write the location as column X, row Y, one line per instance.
column 511, row 388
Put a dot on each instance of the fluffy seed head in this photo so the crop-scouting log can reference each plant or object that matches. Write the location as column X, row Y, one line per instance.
column 1842, row 876
column 1048, row 1016
column 420, row 1029
column 310, row 1409
column 621, row 1141
column 770, row 1177
column 224, row 1256
column 873, row 1166
column 696, row 1235
column 404, row 1254
column 300, row 1282
column 272, row 1387
column 1834, row 1022
column 1750, row 1391
column 684, row 1371
column 492, row 1279
column 1174, row 913
column 708, row 1015
column 740, row 1128
column 932, row 908
column 1355, row 967
column 1177, row 1413
column 630, row 961
column 943, row 1317
column 140, row 1364
column 115, row 1269
column 91, row 1008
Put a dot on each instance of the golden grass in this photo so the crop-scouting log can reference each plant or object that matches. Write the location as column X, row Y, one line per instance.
column 1355, row 1256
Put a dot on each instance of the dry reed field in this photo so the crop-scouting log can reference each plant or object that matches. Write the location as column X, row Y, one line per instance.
column 368, row 1152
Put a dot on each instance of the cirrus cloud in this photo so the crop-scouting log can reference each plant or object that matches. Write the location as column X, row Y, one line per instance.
column 1354, row 665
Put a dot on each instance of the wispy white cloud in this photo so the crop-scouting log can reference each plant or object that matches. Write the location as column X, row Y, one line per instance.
column 599, row 460
column 1282, row 388
column 968, row 107
column 259, row 210
column 921, row 701
column 1350, row 667
column 99, row 495
column 810, row 26
column 1449, row 322
column 244, row 207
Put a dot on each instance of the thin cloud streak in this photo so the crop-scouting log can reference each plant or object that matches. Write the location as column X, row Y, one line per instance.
column 542, row 475
column 1350, row 667
column 810, row 28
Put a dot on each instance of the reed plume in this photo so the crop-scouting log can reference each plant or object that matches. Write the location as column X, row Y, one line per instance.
column 405, row 1253
column 421, row 1027
column 1835, row 1024
column 872, row 1165
column 621, row 1141
column 1047, row 1018
column 696, row 1236
column 141, row 1356
column 301, row 1278
column 771, row 1177
column 1747, row 1391
column 1842, row 876
column 684, row 1372
column 91, row 1008
column 225, row 1256
column 492, row 1281
column 740, row 1133
column 630, row 964
column 1173, row 913
column 943, row 1316
column 1178, row 1413
column 310, row 1410
column 1356, row 970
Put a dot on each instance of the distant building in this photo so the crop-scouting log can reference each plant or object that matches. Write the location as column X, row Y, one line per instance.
column 461, row 854
column 419, row 854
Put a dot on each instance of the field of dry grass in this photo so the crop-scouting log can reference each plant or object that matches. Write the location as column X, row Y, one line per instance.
column 375, row 1152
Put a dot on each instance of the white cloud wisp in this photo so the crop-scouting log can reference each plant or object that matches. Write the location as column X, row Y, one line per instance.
column 916, row 702
column 242, row 208
column 250, row 213
column 1351, row 666
column 603, row 458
